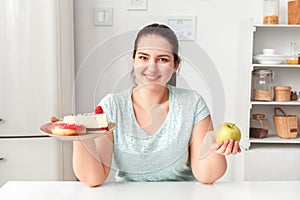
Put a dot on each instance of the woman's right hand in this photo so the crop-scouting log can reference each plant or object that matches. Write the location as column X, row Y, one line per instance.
column 228, row 147
column 54, row 119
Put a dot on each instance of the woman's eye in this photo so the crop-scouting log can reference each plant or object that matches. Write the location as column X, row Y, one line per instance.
column 142, row 57
column 163, row 60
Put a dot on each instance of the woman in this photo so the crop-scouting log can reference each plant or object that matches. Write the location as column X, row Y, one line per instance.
column 160, row 128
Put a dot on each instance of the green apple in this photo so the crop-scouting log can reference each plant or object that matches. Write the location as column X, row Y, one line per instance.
column 227, row 131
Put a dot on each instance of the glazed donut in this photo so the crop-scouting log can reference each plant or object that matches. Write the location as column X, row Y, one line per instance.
column 65, row 129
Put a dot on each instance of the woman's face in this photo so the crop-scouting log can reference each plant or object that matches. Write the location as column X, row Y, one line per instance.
column 154, row 61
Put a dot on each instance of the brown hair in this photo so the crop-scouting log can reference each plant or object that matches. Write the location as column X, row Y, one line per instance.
column 160, row 30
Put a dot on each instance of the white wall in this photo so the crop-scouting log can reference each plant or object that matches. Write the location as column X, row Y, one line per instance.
column 218, row 33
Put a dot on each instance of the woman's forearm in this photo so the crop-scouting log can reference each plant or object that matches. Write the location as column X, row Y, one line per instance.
column 92, row 160
column 212, row 167
column 209, row 169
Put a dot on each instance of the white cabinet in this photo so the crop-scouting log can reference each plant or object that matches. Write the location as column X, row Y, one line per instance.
column 36, row 81
column 279, row 38
column 272, row 162
column 29, row 80
column 271, row 158
column 30, row 159
column 36, row 64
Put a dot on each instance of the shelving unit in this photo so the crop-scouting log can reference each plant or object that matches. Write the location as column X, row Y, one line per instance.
column 270, row 158
column 277, row 37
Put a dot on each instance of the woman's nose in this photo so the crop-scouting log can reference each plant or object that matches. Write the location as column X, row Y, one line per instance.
column 152, row 65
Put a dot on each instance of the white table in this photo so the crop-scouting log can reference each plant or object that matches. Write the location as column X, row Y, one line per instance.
column 43, row 190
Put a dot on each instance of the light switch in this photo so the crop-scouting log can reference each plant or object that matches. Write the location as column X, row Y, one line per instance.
column 103, row 16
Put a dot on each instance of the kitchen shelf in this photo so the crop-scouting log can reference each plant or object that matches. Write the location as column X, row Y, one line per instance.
column 273, row 139
column 277, row 25
column 277, row 37
column 281, row 153
column 288, row 103
column 275, row 66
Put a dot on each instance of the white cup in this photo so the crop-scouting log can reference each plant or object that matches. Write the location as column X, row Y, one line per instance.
column 268, row 51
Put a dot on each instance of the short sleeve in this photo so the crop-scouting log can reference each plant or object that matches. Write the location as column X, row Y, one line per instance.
column 201, row 109
column 108, row 106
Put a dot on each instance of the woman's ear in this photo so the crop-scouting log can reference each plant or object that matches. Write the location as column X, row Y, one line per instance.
column 177, row 63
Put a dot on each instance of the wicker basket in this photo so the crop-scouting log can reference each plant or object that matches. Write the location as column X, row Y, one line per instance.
column 282, row 93
column 286, row 126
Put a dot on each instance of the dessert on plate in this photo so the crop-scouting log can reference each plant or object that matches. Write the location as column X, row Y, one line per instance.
column 65, row 129
column 81, row 123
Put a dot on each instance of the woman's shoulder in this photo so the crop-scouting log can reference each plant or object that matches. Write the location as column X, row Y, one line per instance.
column 118, row 96
column 184, row 92
column 188, row 97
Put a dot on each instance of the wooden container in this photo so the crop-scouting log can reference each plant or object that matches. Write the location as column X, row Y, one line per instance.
column 282, row 93
column 294, row 12
column 286, row 126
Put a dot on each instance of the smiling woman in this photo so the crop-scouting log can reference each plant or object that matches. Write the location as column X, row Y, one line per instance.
column 166, row 46
column 159, row 128
column 153, row 64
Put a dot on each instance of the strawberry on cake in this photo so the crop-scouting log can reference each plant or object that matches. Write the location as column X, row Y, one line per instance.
column 96, row 121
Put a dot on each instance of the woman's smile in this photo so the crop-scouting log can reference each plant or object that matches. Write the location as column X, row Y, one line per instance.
column 152, row 78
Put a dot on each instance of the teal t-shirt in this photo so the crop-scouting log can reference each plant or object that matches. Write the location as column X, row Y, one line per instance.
column 163, row 156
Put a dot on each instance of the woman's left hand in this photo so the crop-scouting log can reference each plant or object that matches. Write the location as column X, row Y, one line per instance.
column 54, row 119
column 227, row 147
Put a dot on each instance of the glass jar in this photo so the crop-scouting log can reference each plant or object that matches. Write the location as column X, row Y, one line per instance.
column 294, row 96
column 293, row 57
column 259, row 126
column 262, row 85
column 271, row 11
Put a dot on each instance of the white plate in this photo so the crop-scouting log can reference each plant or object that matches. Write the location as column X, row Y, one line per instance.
column 270, row 61
column 47, row 129
column 274, row 56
